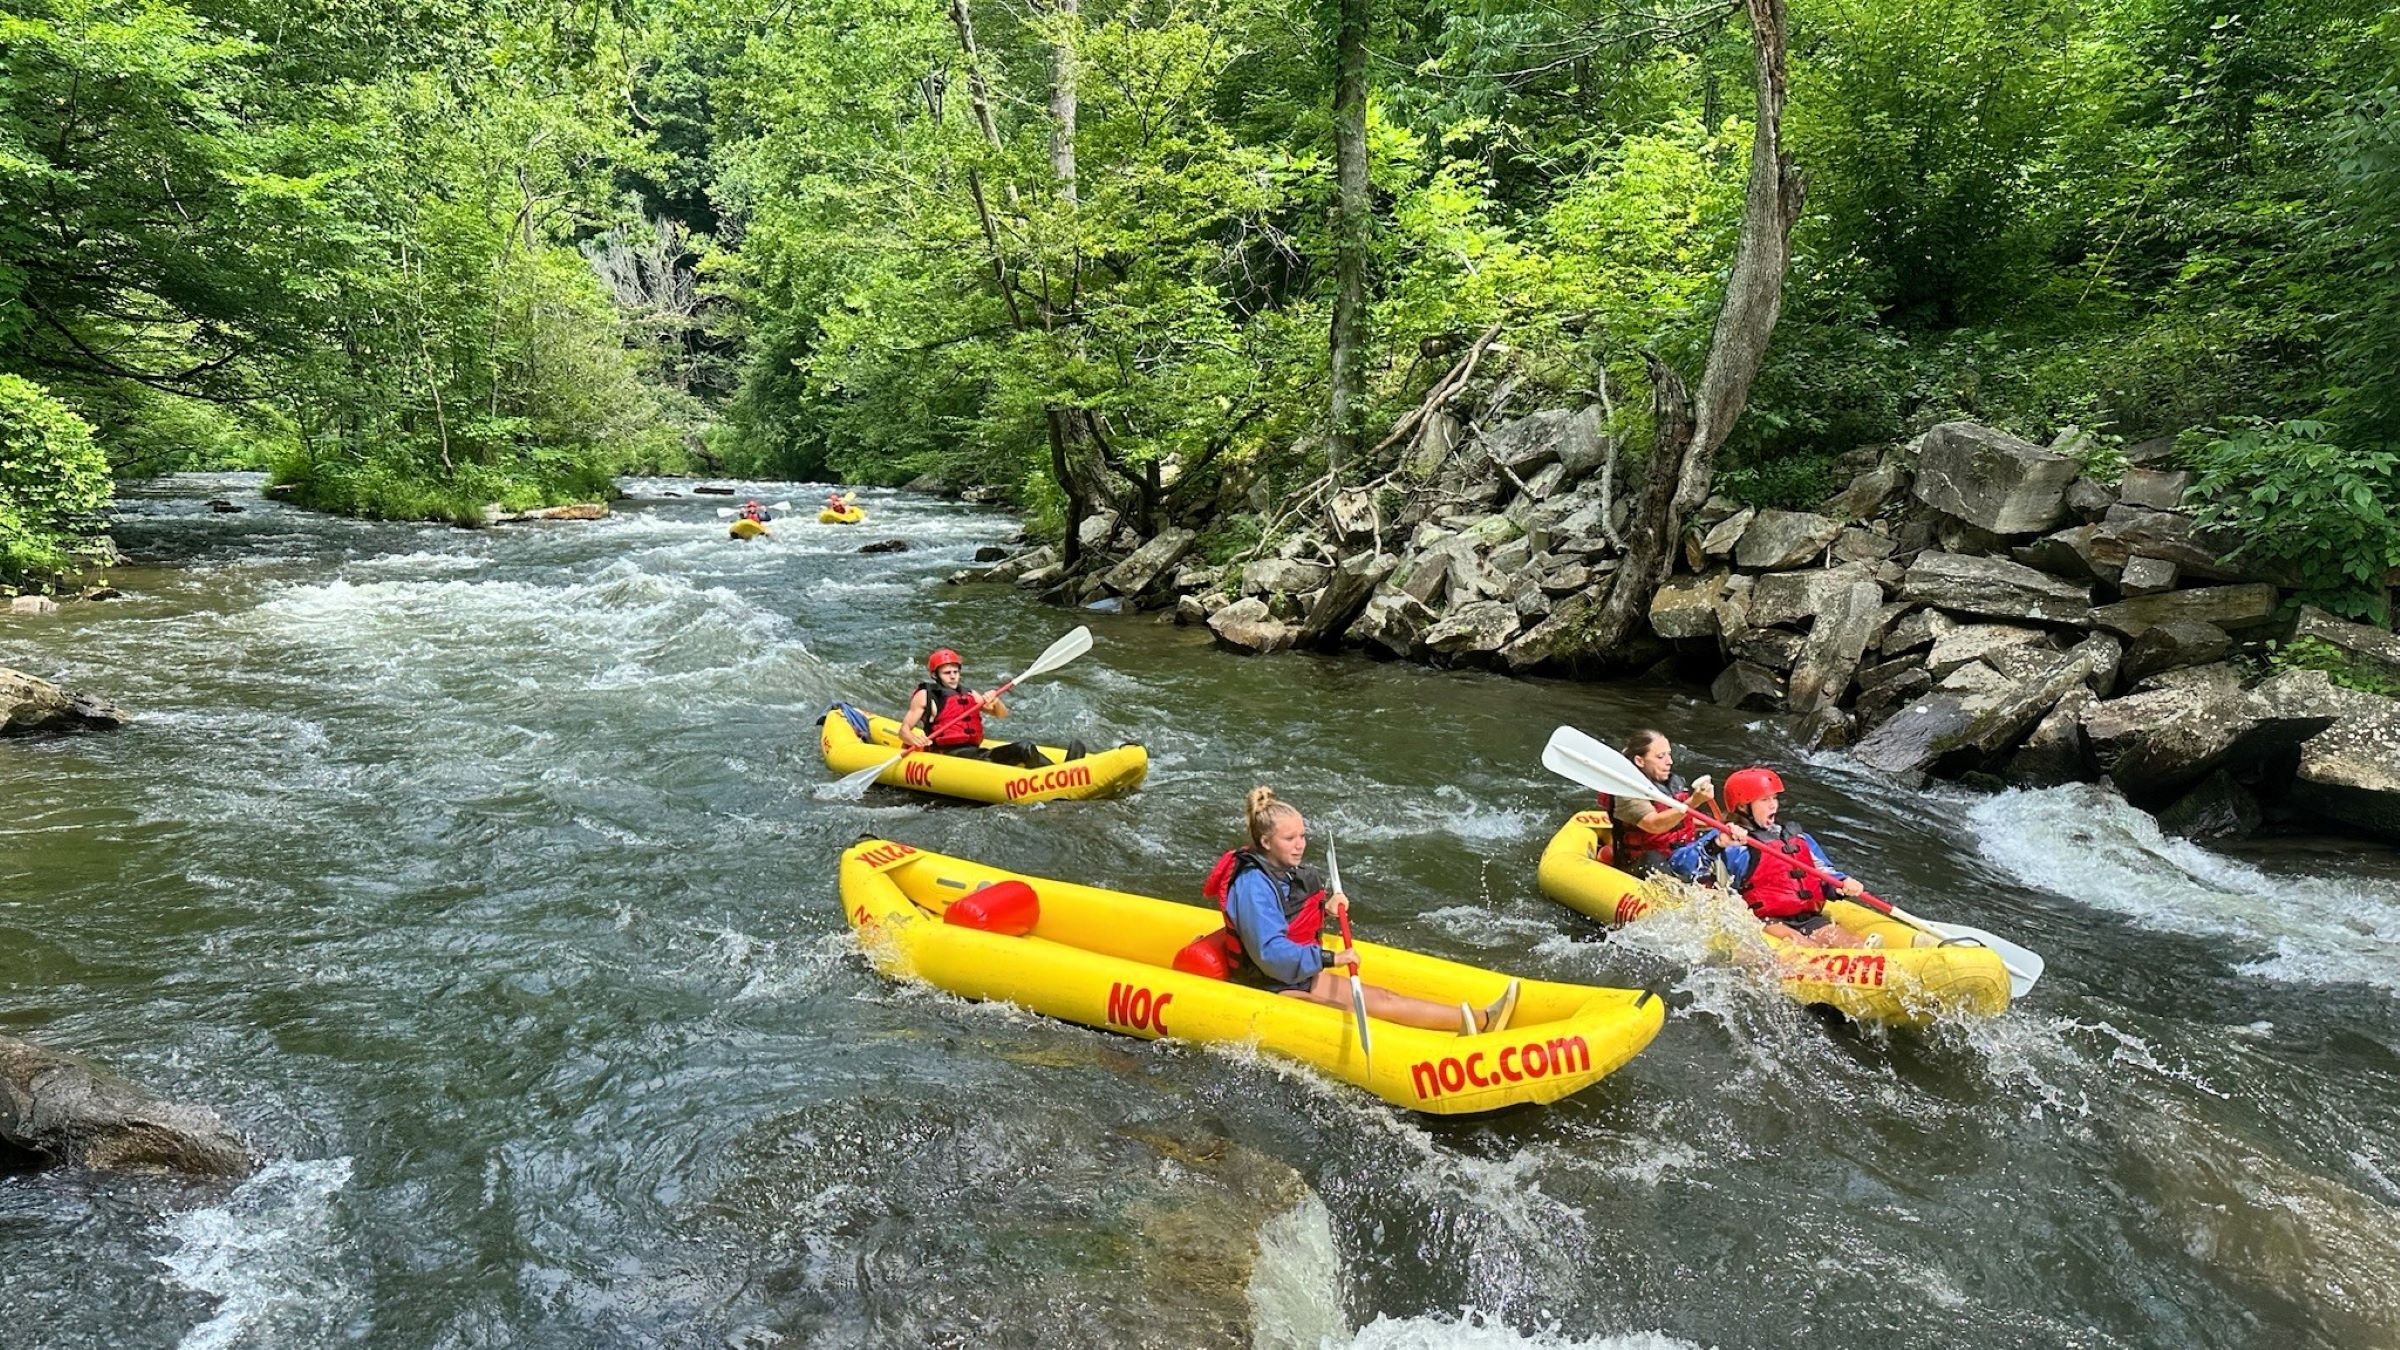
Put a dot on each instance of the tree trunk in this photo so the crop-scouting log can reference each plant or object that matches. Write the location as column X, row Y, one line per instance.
column 1062, row 100
column 1351, row 217
column 1683, row 459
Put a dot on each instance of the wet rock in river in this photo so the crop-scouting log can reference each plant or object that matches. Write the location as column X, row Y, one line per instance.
column 29, row 703
column 1247, row 625
column 58, row 1111
column 885, row 546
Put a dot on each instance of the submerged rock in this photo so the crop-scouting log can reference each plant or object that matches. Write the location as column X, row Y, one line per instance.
column 885, row 546
column 58, row 1111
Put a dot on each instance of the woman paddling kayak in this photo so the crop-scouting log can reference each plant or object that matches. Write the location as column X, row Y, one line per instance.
column 946, row 717
column 1648, row 833
column 1275, row 909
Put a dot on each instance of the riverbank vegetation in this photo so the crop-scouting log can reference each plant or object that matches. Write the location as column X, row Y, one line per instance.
column 1185, row 257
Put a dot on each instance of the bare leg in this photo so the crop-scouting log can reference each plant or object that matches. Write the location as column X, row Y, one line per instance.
column 1332, row 989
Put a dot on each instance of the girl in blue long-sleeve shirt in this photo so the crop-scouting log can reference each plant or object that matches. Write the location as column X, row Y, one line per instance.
column 1275, row 906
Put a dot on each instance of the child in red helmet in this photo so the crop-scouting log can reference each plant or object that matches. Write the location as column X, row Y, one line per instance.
column 946, row 717
column 1762, row 855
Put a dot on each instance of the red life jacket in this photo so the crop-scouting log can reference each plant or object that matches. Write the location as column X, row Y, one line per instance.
column 1632, row 841
column 952, row 718
column 1776, row 886
column 1300, row 895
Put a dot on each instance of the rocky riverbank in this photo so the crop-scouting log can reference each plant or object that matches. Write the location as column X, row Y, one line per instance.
column 1971, row 606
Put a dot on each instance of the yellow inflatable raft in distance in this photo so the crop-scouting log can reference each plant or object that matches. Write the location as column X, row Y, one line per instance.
column 1103, row 773
column 829, row 516
column 746, row 529
column 1911, row 980
column 1105, row 959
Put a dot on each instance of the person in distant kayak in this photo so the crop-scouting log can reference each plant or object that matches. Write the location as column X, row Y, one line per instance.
column 1648, row 833
column 1275, row 907
column 946, row 717
column 1762, row 855
column 752, row 510
column 840, row 502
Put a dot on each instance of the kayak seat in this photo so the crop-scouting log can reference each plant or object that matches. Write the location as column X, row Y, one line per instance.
column 1008, row 908
column 1212, row 956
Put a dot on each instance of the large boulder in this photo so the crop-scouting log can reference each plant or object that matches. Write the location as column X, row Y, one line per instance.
column 2054, row 753
column 1917, row 628
column 1749, row 687
column 1351, row 515
column 1857, row 543
column 1689, row 607
column 2351, row 772
column 1868, row 492
column 2207, row 729
column 1394, row 622
column 1009, row 569
column 1835, row 643
column 58, row 1111
column 1138, row 574
column 29, row 703
column 1774, row 648
column 1994, row 588
column 1775, row 541
column 1716, row 543
column 2147, row 576
column 1795, row 597
column 1955, row 729
column 2070, row 553
column 1473, row 631
column 1991, row 479
column 2219, row 808
column 2127, row 532
column 1555, row 641
column 1097, row 529
column 1571, row 439
column 2229, row 607
column 2376, row 649
column 1344, row 596
column 1975, row 642
column 1268, row 576
column 1248, row 625
column 2154, row 489
column 2174, row 645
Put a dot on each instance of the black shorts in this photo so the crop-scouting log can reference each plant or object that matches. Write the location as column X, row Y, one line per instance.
column 1013, row 754
column 1806, row 924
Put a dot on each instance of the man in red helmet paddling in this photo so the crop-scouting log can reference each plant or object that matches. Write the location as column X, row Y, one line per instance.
column 1763, row 854
column 946, row 717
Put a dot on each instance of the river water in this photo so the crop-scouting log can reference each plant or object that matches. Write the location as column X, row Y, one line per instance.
column 478, row 878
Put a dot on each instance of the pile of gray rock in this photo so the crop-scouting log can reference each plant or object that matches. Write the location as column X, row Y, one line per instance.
column 1970, row 605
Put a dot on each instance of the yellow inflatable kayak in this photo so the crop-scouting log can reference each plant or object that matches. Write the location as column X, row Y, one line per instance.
column 1103, row 773
column 829, row 516
column 746, row 529
column 1105, row 959
column 1910, row 979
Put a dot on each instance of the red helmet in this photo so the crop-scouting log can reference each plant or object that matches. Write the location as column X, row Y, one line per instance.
column 1744, row 786
column 942, row 656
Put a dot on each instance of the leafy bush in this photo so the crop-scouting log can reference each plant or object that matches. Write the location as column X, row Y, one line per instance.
column 2311, row 653
column 53, row 481
column 2301, row 500
column 1797, row 481
column 393, row 487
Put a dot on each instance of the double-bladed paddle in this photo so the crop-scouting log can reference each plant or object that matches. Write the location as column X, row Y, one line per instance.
column 1358, row 991
column 1060, row 653
column 1582, row 759
column 728, row 512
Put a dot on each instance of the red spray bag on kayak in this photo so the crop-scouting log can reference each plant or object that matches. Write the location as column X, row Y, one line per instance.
column 1009, row 908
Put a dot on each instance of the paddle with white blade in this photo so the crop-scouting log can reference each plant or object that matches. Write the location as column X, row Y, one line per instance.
column 1573, row 755
column 1060, row 653
column 1358, row 991
column 728, row 513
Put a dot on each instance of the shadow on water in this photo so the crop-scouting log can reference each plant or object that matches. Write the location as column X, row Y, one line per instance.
column 477, row 876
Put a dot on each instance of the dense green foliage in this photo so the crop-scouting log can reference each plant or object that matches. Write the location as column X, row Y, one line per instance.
column 53, row 480
column 339, row 237
column 429, row 257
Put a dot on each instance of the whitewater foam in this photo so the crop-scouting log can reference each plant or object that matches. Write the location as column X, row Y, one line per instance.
column 272, row 1256
column 2087, row 844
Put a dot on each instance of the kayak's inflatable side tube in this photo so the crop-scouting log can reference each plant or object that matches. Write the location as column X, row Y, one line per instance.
column 1102, row 958
column 850, row 517
column 746, row 529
